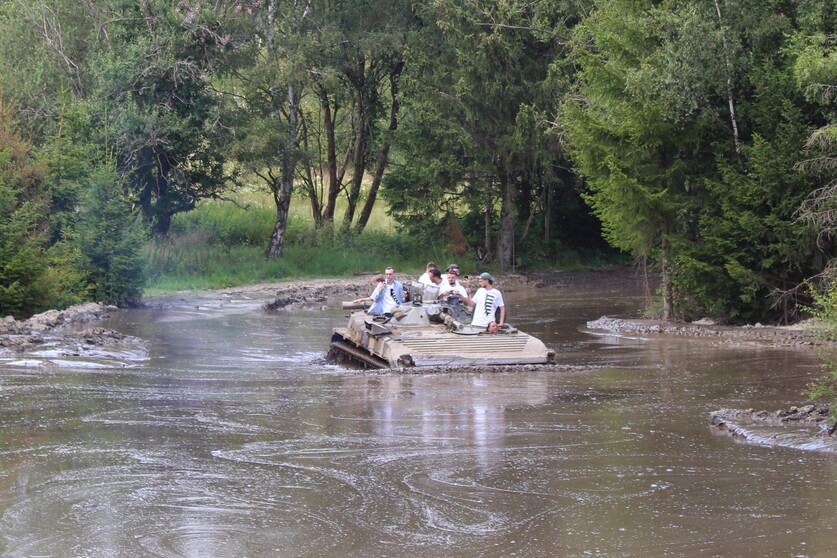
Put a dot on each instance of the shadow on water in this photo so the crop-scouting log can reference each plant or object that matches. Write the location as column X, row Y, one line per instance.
column 231, row 436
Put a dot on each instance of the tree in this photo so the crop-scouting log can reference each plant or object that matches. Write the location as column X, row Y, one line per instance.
column 825, row 387
column 141, row 71
column 266, row 79
column 750, row 251
column 110, row 239
column 625, row 139
column 815, row 70
column 355, row 79
column 23, row 203
column 490, row 70
column 437, row 177
column 687, row 131
column 165, row 122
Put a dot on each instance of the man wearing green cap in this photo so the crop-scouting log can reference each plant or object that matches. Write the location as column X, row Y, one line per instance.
column 486, row 303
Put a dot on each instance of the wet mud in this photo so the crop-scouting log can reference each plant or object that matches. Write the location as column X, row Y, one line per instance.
column 808, row 427
column 771, row 335
column 62, row 333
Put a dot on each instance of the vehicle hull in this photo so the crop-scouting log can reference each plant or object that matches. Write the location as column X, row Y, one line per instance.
column 376, row 342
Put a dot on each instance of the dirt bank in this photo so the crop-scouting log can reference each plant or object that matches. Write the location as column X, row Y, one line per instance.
column 51, row 327
column 808, row 427
column 318, row 292
column 772, row 335
column 811, row 415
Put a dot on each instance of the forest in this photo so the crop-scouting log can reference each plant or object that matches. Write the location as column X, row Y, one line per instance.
column 698, row 137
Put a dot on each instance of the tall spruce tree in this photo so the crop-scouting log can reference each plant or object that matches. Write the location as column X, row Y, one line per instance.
column 631, row 145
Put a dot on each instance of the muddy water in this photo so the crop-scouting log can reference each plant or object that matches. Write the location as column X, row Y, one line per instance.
column 231, row 437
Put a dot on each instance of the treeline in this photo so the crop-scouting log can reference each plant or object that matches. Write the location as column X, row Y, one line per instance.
column 695, row 135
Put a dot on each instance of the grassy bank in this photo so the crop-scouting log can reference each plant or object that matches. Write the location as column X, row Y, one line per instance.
column 220, row 244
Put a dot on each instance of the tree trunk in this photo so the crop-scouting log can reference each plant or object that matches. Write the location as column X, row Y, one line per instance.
column 383, row 155
column 161, row 209
column 312, row 179
column 287, row 154
column 276, row 245
column 533, row 212
column 505, row 247
column 360, row 148
column 331, row 154
column 282, row 194
column 730, row 96
column 665, row 260
column 488, row 219
column 547, row 217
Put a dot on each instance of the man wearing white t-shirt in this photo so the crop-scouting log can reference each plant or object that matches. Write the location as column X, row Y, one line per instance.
column 388, row 295
column 425, row 277
column 451, row 286
column 432, row 288
column 486, row 303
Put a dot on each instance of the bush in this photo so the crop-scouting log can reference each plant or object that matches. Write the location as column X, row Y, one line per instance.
column 224, row 223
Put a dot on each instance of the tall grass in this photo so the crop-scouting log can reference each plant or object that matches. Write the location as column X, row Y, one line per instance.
column 220, row 244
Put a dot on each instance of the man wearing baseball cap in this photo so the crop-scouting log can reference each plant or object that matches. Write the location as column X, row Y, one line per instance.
column 486, row 303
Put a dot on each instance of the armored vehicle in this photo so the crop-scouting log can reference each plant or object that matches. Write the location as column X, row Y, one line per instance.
column 426, row 331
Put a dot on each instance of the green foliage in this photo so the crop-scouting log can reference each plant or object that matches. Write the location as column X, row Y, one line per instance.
column 66, row 279
column 640, row 153
column 163, row 122
column 480, row 94
column 23, row 269
column 189, row 261
column 667, row 158
column 825, row 311
column 71, row 157
column 218, row 245
column 226, row 224
column 423, row 189
column 751, row 250
column 815, row 70
column 110, row 239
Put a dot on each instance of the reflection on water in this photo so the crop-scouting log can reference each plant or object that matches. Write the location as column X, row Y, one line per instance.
column 232, row 437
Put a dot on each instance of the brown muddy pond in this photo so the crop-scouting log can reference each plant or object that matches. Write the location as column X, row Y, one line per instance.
column 232, row 437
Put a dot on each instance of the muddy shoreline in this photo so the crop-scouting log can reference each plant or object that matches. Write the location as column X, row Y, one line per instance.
column 794, row 335
column 62, row 330
column 807, row 427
